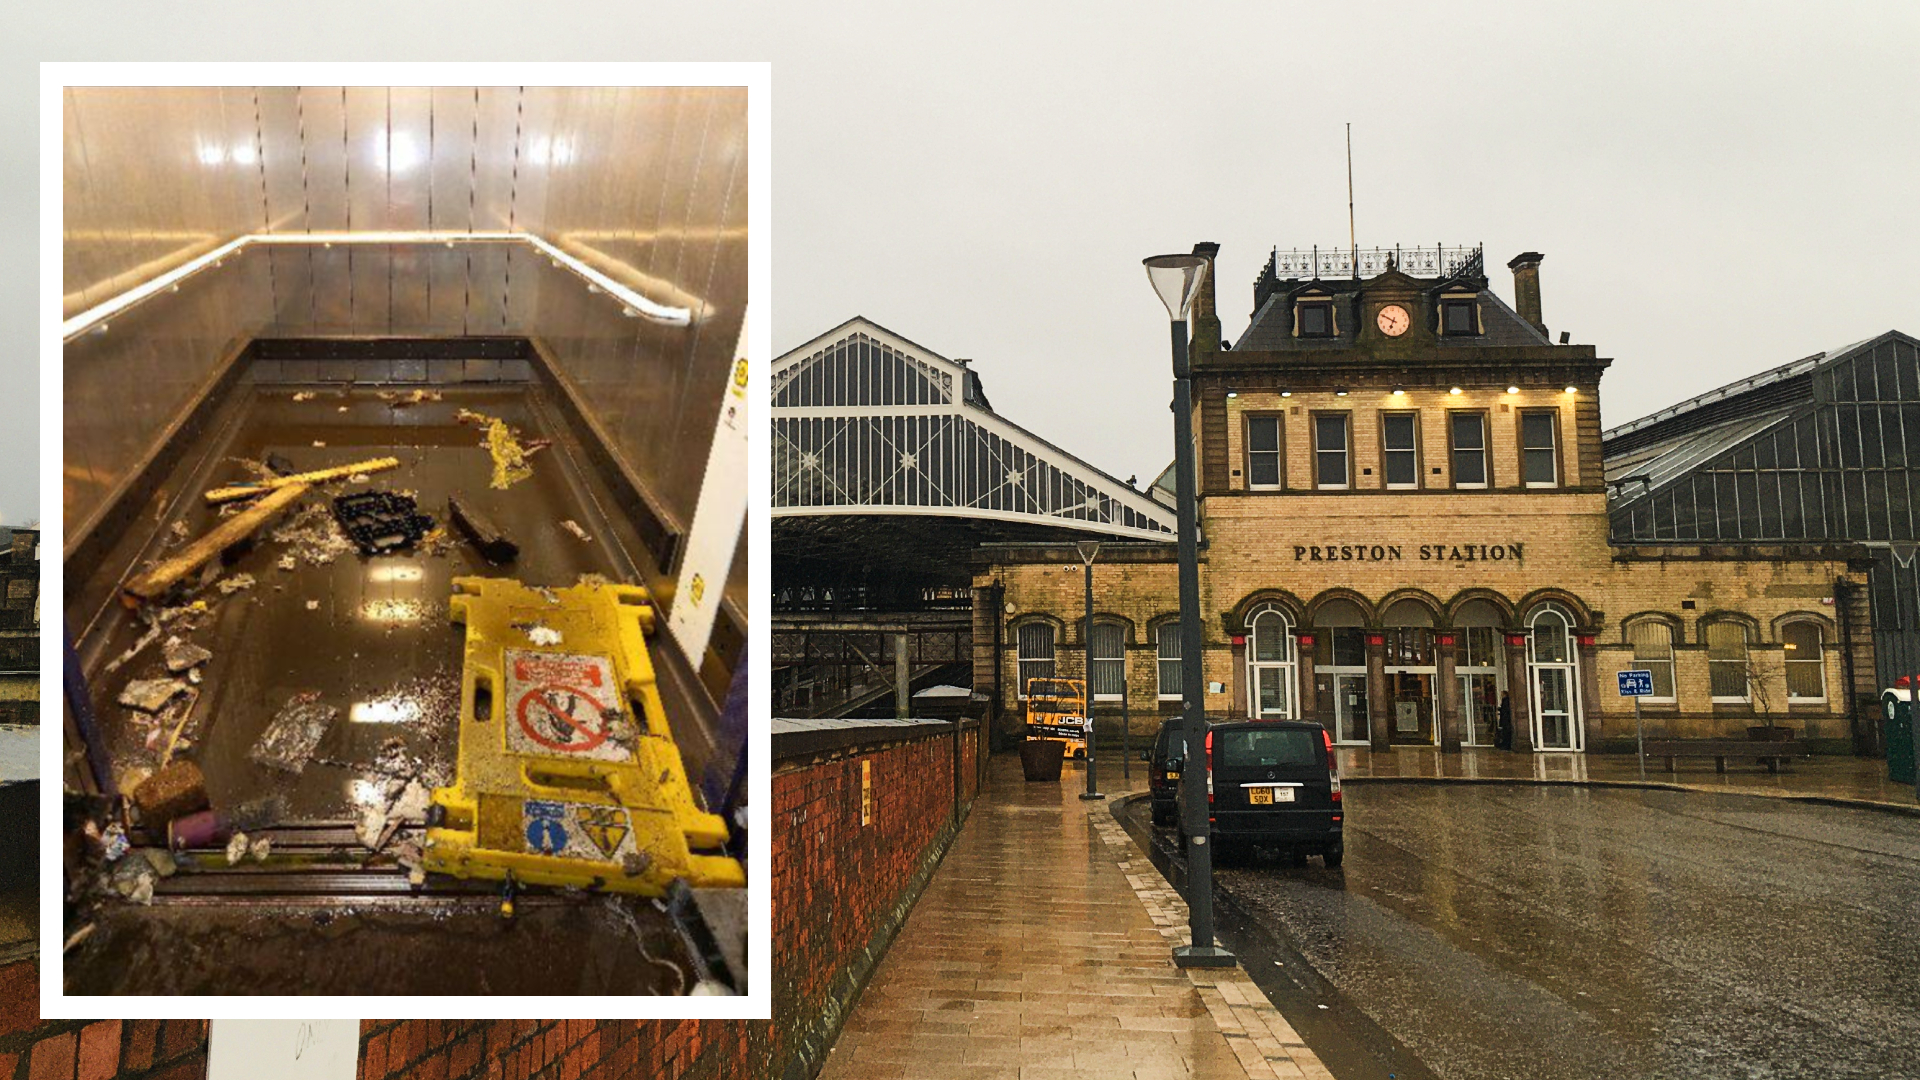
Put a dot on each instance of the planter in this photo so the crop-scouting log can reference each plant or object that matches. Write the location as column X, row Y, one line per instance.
column 1040, row 759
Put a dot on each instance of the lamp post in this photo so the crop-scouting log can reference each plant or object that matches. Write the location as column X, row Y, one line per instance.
column 1177, row 279
column 1089, row 549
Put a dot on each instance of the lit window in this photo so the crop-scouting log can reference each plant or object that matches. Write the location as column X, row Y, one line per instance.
column 1653, row 651
column 1469, row 450
column 1168, row 640
column 1109, row 675
column 1263, row 451
column 1400, row 450
column 1727, row 661
column 1806, row 662
column 1036, row 654
column 1330, row 450
column 1538, row 454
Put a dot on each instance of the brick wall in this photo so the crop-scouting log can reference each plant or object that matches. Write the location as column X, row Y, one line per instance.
column 841, row 890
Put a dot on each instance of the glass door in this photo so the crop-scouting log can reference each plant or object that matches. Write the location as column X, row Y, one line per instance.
column 1479, row 708
column 1553, row 691
column 1350, row 708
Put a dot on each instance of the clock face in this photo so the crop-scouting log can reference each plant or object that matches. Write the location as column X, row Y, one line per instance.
column 1393, row 320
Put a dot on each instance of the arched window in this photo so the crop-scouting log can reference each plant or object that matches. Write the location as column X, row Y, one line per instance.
column 1167, row 642
column 1109, row 674
column 1552, row 663
column 1036, row 654
column 1270, row 665
column 1806, row 661
column 1727, row 666
column 1652, row 642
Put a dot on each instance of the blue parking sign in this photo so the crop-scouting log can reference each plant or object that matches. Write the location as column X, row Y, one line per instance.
column 1636, row 684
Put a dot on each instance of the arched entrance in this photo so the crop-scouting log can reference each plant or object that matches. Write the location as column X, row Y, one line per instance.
column 1340, row 667
column 1271, row 665
column 1413, row 674
column 1482, row 670
column 1553, row 665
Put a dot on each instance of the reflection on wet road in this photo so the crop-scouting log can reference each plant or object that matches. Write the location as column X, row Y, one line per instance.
column 1549, row 931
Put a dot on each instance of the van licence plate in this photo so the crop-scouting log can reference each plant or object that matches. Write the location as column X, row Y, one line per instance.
column 1173, row 774
column 1266, row 796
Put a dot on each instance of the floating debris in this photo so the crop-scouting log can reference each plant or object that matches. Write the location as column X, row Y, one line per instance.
column 319, row 445
column 313, row 535
column 151, row 695
column 573, row 527
column 236, row 847
column 297, row 729
column 401, row 401
column 184, row 655
column 279, row 466
column 234, row 584
column 113, row 842
column 304, row 395
column 179, row 531
column 313, row 605
column 261, row 848
column 542, row 635
column 133, row 879
column 503, row 445
column 152, row 635
column 288, row 562
column 380, row 521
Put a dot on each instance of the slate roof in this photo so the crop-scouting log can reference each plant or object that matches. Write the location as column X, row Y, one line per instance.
column 1271, row 328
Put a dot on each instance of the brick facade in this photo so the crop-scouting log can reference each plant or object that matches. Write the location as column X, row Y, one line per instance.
column 1326, row 543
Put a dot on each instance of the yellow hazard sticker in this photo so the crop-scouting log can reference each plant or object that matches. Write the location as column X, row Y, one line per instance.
column 567, row 830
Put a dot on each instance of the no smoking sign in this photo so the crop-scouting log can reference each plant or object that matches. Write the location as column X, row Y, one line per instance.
column 563, row 705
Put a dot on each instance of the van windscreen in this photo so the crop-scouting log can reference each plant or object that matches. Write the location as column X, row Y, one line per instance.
column 1247, row 748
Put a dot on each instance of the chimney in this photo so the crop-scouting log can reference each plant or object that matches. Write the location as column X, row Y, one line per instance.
column 1526, row 287
column 1206, row 319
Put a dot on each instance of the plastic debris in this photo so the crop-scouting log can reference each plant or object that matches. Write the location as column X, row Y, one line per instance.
column 303, row 395
column 380, row 521
column 261, row 848
column 543, row 635
column 113, row 842
column 151, row 695
column 185, row 655
column 573, row 527
column 288, row 562
column 313, row 535
column 313, row 605
column 236, row 847
column 133, row 879
column 152, row 635
column 234, row 584
column 279, row 466
column 296, row 730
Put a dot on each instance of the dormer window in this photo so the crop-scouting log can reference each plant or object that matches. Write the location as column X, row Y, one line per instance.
column 1459, row 315
column 1313, row 317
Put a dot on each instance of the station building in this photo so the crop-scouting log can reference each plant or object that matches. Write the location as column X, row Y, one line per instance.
column 1406, row 534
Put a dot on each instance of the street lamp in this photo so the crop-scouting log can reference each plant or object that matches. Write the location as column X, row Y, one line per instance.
column 1177, row 279
column 1089, row 549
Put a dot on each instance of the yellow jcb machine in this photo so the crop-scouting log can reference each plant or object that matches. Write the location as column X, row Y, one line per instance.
column 1057, row 710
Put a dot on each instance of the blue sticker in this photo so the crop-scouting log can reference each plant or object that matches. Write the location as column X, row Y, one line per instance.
column 546, row 827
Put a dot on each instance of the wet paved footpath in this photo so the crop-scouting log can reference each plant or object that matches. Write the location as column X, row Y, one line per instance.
column 1042, row 951
column 1509, row 930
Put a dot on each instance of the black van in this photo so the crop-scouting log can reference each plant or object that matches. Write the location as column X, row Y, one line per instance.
column 1163, row 771
column 1274, row 784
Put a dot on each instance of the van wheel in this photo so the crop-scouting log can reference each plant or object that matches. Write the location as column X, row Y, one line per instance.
column 1299, row 857
column 1161, row 817
column 1335, row 856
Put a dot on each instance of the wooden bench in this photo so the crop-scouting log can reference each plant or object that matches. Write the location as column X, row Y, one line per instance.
column 1770, row 754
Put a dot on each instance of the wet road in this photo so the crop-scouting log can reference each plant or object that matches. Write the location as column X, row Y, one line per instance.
column 1499, row 931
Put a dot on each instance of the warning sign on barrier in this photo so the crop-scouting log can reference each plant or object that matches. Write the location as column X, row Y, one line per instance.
column 565, row 705
column 577, row 830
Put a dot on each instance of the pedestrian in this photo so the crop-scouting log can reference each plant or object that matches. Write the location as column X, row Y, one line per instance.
column 1503, row 735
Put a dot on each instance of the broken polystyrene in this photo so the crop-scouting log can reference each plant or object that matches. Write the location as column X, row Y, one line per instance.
column 185, row 655
column 296, row 730
column 573, row 527
column 151, row 695
column 543, row 635
column 234, row 584
column 236, row 847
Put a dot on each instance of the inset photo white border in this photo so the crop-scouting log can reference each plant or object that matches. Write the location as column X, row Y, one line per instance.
column 757, row 79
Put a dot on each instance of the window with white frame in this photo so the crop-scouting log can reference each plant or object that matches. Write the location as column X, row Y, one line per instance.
column 1036, row 654
column 1331, row 468
column 1263, row 451
column 1806, row 661
column 1400, row 449
column 1167, row 638
column 1109, row 660
column 1727, row 661
column 1539, row 452
column 1652, row 643
column 1469, row 431
column 1270, row 665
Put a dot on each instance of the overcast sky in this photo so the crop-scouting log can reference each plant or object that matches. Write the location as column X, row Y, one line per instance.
column 1717, row 188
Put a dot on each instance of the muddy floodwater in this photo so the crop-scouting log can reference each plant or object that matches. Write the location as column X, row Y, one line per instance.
column 1515, row 931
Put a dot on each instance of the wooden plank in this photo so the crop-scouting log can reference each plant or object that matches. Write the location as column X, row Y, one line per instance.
column 248, row 491
column 171, row 571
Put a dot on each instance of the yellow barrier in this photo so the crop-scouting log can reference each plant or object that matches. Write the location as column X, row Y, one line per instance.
column 568, row 772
